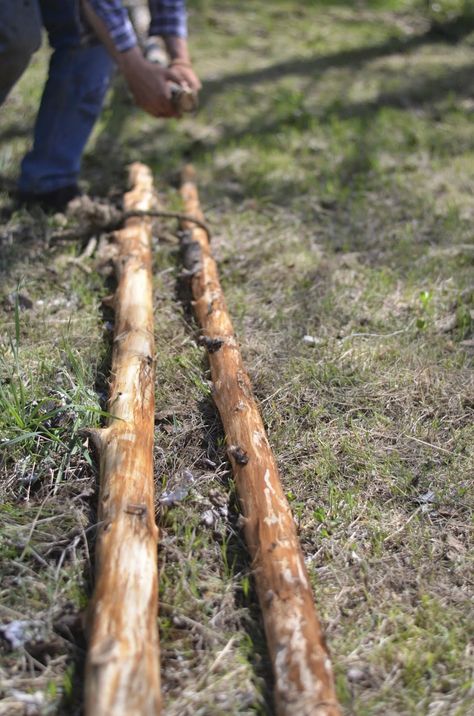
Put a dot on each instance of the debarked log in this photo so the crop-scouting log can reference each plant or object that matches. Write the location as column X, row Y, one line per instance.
column 122, row 666
column 304, row 684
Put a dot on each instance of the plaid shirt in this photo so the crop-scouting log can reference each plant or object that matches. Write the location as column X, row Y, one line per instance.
column 168, row 17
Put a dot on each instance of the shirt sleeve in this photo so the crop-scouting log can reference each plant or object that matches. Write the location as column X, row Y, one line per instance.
column 115, row 18
column 168, row 17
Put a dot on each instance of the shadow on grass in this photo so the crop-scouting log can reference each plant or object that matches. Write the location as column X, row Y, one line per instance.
column 453, row 31
column 420, row 93
column 416, row 95
column 106, row 164
column 14, row 131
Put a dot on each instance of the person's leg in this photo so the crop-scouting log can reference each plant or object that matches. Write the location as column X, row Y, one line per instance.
column 20, row 37
column 72, row 100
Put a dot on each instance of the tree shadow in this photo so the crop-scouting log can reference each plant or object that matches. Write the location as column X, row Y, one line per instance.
column 411, row 96
column 418, row 94
column 14, row 131
column 452, row 31
column 422, row 92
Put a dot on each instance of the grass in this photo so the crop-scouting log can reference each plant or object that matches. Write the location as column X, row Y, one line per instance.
column 335, row 159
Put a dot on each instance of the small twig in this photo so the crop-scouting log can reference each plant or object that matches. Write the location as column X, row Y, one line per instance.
column 37, row 556
column 32, row 529
column 394, row 534
column 78, row 263
column 121, row 217
column 220, row 656
column 89, row 250
column 423, row 442
column 156, row 213
column 205, row 631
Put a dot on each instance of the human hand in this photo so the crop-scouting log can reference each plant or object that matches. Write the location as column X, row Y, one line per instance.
column 149, row 83
column 185, row 73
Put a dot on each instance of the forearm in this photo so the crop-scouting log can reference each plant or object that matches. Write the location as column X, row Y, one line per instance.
column 148, row 83
column 100, row 29
column 168, row 19
column 110, row 20
column 177, row 48
column 124, row 59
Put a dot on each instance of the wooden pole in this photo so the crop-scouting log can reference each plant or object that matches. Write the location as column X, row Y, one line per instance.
column 302, row 669
column 122, row 667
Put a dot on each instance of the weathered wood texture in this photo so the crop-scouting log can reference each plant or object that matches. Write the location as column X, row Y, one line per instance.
column 122, row 668
column 301, row 665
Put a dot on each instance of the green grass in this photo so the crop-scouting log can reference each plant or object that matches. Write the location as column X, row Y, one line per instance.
column 335, row 156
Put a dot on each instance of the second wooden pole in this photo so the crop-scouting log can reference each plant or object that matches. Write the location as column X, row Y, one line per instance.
column 304, row 684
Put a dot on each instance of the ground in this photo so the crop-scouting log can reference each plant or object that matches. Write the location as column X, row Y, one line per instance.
column 335, row 153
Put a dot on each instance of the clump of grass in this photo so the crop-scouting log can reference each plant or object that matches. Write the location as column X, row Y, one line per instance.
column 41, row 433
column 47, row 399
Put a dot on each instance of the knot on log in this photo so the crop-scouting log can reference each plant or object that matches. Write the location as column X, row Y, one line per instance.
column 239, row 455
column 133, row 509
column 104, row 651
column 243, row 381
column 211, row 344
column 269, row 596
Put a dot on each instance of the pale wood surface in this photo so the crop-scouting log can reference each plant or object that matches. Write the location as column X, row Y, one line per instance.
column 122, row 668
column 303, row 675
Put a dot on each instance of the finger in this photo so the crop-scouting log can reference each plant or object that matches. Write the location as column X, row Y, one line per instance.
column 173, row 76
column 192, row 81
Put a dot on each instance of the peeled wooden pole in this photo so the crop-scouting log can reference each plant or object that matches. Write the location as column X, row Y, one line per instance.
column 302, row 669
column 122, row 667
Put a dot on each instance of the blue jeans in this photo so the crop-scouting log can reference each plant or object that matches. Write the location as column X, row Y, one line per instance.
column 72, row 98
column 20, row 36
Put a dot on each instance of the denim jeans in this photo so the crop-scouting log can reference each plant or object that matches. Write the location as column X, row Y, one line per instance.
column 72, row 97
column 20, row 36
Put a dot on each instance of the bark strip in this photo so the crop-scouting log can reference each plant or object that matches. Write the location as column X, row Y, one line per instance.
column 303, row 675
column 122, row 667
